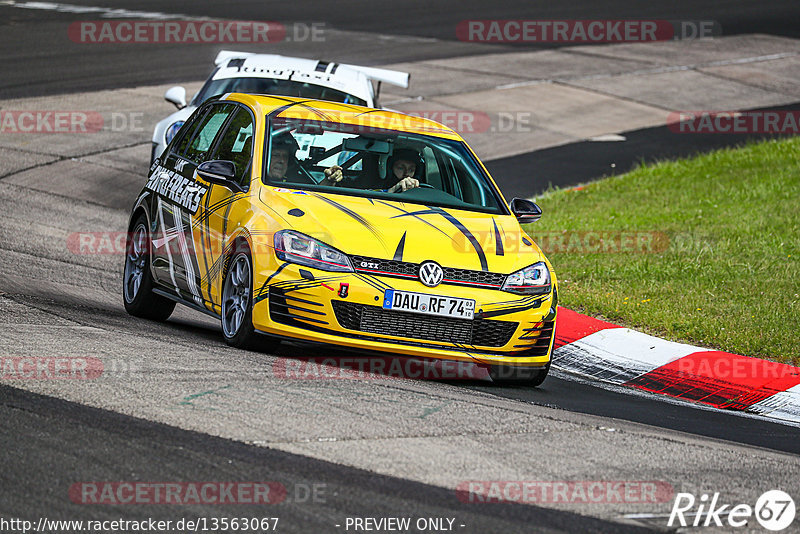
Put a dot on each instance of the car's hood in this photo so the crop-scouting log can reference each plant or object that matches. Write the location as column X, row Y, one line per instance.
column 404, row 231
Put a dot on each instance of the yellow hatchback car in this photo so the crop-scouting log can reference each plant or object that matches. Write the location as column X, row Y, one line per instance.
column 316, row 221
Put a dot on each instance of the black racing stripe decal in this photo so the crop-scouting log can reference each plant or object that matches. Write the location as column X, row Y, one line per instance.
column 291, row 103
column 218, row 264
column 398, row 253
column 416, row 217
column 277, row 111
column 525, row 300
column 354, row 107
column 205, row 238
column 415, row 213
column 318, row 112
column 377, row 283
column 351, row 213
column 506, row 311
column 498, row 241
column 368, row 112
column 218, row 206
column 263, row 291
column 464, row 230
column 290, row 285
column 214, row 270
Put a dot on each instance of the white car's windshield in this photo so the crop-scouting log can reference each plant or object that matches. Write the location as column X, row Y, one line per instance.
column 271, row 86
column 376, row 163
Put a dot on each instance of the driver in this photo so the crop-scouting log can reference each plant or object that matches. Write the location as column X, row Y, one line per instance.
column 405, row 167
column 403, row 170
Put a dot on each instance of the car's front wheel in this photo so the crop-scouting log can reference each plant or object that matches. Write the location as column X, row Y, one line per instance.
column 137, row 288
column 237, row 305
column 523, row 376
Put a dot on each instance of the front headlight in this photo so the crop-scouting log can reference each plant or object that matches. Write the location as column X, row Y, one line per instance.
column 295, row 247
column 172, row 130
column 532, row 280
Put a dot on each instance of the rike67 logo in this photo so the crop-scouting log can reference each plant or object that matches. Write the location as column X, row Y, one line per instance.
column 774, row 511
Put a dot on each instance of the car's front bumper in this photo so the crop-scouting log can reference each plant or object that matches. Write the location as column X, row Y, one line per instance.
column 307, row 304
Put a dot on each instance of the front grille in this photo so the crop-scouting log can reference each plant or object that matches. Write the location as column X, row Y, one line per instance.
column 375, row 320
column 405, row 269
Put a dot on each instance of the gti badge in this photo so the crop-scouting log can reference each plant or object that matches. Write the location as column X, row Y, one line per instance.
column 430, row 273
column 343, row 290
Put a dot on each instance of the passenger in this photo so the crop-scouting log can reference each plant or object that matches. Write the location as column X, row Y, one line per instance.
column 284, row 148
column 283, row 166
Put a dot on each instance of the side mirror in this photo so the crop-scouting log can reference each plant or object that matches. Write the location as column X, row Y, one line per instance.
column 220, row 172
column 526, row 211
column 177, row 96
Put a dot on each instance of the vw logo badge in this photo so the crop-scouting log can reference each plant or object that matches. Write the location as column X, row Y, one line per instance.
column 430, row 273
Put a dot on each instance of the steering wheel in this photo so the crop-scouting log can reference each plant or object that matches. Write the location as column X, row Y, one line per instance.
column 429, row 186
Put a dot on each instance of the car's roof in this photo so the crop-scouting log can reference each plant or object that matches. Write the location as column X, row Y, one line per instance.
column 320, row 110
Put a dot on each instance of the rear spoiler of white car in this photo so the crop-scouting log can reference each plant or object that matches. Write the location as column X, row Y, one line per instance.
column 393, row 77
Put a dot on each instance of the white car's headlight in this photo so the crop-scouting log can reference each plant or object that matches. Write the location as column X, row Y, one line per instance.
column 172, row 130
column 295, row 247
column 532, row 280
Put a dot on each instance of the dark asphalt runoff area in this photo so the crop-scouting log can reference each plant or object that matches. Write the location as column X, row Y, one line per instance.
column 572, row 164
column 49, row 444
column 36, row 59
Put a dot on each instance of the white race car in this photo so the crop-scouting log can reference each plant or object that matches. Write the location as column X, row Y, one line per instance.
column 270, row 74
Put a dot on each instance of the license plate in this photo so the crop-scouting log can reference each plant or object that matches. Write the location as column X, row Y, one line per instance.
column 428, row 304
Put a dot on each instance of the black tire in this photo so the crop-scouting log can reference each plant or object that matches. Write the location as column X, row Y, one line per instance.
column 522, row 376
column 237, row 305
column 137, row 280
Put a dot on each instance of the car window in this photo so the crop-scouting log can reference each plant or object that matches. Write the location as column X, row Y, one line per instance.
column 236, row 144
column 271, row 86
column 204, row 135
column 187, row 131
column 446, row 172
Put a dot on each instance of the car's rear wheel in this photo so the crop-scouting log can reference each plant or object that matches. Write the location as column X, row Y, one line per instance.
column 237, row 305
column 137, row 288
column 523, row 376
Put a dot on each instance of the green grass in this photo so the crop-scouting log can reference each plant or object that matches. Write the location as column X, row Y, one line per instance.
column 726, row 275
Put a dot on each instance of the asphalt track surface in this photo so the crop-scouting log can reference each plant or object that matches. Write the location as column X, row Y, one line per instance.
column 63, row 438
column 48, row 443
column 35, row 60
column 581, row 162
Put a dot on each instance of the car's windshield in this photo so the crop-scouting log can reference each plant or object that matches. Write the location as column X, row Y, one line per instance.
column 271, row 86
column 365, row 161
